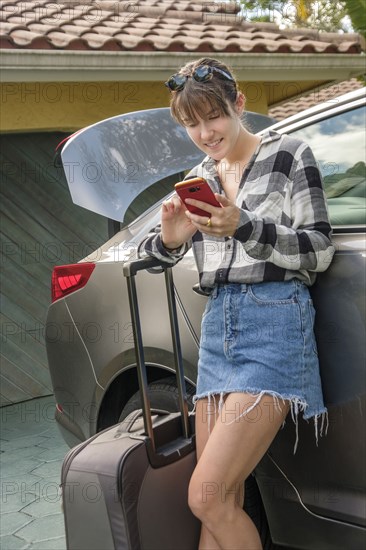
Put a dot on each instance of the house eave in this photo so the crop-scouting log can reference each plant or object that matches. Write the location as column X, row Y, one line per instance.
column 69, row 66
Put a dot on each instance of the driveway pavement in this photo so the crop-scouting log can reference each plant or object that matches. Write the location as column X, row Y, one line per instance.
column 32, row 451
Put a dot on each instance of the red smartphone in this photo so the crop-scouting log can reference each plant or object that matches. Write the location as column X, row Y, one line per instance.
column 196, row 188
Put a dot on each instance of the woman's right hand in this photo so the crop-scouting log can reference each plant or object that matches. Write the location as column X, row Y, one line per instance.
column 176, row 228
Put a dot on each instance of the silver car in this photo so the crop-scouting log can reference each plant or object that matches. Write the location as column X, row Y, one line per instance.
column 123, row 168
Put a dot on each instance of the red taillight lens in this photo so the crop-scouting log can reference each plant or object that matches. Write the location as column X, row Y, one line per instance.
column 68, row 278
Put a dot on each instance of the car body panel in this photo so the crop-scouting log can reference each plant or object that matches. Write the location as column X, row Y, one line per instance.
column 316, row 496
column 96, row 327
column 64, row 344
column 292, row 524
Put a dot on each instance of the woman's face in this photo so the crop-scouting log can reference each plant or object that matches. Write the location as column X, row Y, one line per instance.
column 214, row 133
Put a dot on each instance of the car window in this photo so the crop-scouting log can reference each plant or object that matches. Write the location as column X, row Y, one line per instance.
column 339, row 146
column 150, row 196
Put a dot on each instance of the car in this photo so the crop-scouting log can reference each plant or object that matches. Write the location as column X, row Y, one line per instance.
column 123, row 168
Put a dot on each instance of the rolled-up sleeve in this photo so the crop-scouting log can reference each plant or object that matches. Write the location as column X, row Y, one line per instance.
column 152, row 245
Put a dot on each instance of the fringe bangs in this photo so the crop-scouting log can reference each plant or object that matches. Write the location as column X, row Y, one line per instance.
column 196, row 100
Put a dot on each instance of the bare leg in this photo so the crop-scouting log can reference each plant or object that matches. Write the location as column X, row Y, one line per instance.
column 206, row 415
column 229, row 455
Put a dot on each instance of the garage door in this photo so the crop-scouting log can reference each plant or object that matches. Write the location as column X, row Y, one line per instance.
column 40, row 228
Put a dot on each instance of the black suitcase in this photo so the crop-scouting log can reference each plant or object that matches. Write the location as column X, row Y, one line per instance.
column 126, row 488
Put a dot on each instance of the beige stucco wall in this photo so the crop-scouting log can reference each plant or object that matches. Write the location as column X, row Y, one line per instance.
column 68, row 106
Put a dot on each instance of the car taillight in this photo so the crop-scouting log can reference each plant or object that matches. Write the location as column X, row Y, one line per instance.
column 68, row 278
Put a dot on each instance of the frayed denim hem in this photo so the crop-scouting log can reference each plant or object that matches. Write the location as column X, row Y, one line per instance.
column 297, row 405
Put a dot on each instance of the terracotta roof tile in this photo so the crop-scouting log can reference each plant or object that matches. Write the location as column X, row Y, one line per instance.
column 348, row 47
column 27, row 38
column 59, row 39
column 76, row 30
column 105, row 30
column 7, row 27
column 97, row 14
column 162, row 25
column 20, row 35
column 41, row 28
column 15, row 19
column 289, row 108
column 154, row 25
column 28, row 16
column 35, row 10
column 173, row 20
column 100, row 41
column 197, row 27
column 139, row 31
column 136, row 21
column 127, row 41
column 4, row 14
column 82, row 22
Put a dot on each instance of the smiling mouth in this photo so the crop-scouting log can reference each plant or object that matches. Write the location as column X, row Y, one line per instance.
column 214, row 143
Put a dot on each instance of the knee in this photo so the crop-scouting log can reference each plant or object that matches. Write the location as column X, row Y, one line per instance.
column 204, row 500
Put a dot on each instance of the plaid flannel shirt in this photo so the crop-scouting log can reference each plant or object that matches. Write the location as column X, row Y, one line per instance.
column 284, row 230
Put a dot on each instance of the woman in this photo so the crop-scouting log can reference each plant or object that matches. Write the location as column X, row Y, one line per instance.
column 257, row 254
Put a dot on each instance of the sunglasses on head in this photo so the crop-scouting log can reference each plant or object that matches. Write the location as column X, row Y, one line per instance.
column 200, row 74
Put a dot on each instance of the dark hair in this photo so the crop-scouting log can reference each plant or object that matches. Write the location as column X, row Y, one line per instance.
column 192, row 100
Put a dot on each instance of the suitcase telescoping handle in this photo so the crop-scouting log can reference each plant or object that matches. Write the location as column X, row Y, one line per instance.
column 130, row 270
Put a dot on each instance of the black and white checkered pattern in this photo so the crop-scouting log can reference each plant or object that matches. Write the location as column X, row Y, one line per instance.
column 284, row 230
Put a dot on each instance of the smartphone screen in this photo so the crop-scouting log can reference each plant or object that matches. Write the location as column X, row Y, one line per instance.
column 198, row 189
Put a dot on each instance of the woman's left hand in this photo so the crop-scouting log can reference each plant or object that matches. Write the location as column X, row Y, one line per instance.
column 224, row 221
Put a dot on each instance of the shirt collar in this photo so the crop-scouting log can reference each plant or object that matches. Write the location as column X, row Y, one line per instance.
column 269, row 136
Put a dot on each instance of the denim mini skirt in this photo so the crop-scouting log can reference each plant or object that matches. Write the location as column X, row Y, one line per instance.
column 259, row 338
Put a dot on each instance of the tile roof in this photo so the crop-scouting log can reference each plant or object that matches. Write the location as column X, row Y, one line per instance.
column 292, row 107
column 156, row 25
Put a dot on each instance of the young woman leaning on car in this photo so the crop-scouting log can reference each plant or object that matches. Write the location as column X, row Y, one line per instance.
column 257, row 254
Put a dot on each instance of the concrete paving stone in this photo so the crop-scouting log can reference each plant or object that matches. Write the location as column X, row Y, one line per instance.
column 13, row 484
column 42, row 429
column 50, row 544
column 14, row 432
column 28, row 452
column 46, row 487
column 11, row 501
column 10, row 523
column 25, row 428
column 52, row 455
column 32, row 452
column 11, row 542
column 47, row 469
column 34, row 410
column 54, row 441
column 30, row 418
column 18, row 467
column 44, row 507
column 5, row 434
column 23, row 442
column 44, row 528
